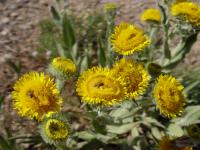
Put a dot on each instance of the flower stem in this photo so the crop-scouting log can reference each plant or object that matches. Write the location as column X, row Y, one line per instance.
column 165, row 24
column 110, row 18
column 60, row 83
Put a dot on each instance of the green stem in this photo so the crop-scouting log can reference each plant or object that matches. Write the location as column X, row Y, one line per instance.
column 165, row 24
column 153, row 138
column 110, row 16
column 60, row 84
column 109, row 45
column 150, row 50
column 61, row 147
column 167, row 53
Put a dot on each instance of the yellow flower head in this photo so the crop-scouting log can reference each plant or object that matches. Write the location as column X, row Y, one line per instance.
column 151, row 14
column 167, row 144
column 99, row 86
column 35, row 94
column 180, row 1
column 169, row 97
column 110, row 6
column 128, row 39
column 54, row 129
column 135, row 76
column 62, row 67
column 190, row 11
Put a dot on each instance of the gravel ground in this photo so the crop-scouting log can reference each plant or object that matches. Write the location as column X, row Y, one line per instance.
column 18, row 37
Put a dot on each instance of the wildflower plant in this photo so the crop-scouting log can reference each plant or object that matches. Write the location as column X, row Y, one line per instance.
column 35, row 94
column 129, row 93
column 128, row 39
column 151, row 14
column 99, row 86
column 54, row 129
column 62, row 67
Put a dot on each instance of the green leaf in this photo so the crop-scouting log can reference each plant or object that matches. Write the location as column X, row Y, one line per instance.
column 68, row 32
column 153, row 121
column 119, row 113
column 125, row 146
column 1, row 100
column 192, row 116
column 93, row 144
column 191, row 86
column 165, row 24
column 175, row 130
column 167, row 52
column 84, row 63
column 101, row 54
column 60, row 50
column 74, row 52
column 86, row 135
column 99, row 125
column 120, row 129
column 187, row 44
column 183, row 49
column 55, row 13
column 4, row 144
column 163, row 13
column 156, row 133
column 135, row 132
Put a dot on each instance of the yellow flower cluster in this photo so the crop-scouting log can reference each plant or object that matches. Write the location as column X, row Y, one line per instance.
column 129, row 80
column 108, row 87
column 35, row 94
column 190, row 11
column 151, row 14
column 169, row 97
column 128, row 39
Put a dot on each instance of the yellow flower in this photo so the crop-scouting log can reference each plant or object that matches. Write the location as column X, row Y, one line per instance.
column 151, row 14
column 110, row 6
column 167, row 144
column 54, row 129
column 35, row 94
column 62, row 67
column 190, row 11
column 128, row 39
column 135, row 76
column 98, row 86
column 169, row 97
column 180, row 1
